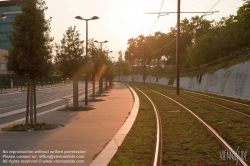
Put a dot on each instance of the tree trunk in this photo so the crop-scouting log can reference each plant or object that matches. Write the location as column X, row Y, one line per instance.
column 100, row 85
column 75, row 92
column 34, row 88
column 106, row 84
column 31, row 103
column 27, row 101
column 110, row 83
column 93, row 82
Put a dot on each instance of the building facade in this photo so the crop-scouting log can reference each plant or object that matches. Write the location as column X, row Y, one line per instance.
column 10, row 9
column 3, row 69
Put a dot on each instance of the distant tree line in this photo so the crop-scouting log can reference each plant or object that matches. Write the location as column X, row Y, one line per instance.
column 202, row 41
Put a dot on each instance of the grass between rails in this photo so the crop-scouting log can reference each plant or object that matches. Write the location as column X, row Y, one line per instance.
column 233, row 127
column 185, row 140
column 138, row 146
column 216, row 99
column 219, row 100
column 220, row 96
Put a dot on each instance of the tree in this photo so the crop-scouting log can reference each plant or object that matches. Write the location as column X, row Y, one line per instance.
column 30, row 54
column 119, row 63
column 101, row 71
column 243, row 14
column 97, row 63
column 225, row 37
column 69, row 59
column 109, row 72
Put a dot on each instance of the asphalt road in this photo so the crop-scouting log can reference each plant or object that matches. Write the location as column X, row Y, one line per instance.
column 47, row 98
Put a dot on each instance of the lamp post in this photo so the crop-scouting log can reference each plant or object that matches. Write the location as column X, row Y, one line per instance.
column 106, row 84
column 86, row 78
column 101, row 43
column 119, row 63
column 132, row 55
column 101, row 81
column 106, row 81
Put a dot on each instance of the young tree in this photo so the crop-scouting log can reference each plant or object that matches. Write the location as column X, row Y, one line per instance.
column 109, row 73
column 119, row 63
column 30, row 54
column 69, row 59
column 97, row 63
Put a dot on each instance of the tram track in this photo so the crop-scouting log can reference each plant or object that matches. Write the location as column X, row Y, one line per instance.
column 220, row 98
column 158, row 146
column 211, row 129
column 234, row 110
column 237, row 107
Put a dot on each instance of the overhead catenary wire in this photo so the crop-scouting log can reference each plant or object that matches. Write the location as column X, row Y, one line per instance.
column 162, row 3
column 175, row 38
column 201, row 3
column 164, row 46
column 213, row 6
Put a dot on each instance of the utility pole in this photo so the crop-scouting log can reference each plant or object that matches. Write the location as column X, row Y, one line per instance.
column 144, row 77
column 178, row 40
column 178, row 49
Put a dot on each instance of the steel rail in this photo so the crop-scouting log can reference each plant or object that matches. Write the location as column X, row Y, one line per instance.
column 219, row 105
column 213, row 131
column 217, row 98
column 158, row 146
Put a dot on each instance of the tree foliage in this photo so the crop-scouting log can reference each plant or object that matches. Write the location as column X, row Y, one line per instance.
column 69, row 54
column 30, row 54
column 69, row 59
column 201, row 41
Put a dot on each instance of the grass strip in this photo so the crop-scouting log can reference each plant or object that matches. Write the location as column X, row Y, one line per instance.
column 243, row 101
column 185, row 140
column 233, row 127
column 138, row 146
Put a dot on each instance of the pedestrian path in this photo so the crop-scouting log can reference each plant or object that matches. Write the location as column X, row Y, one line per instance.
column 85, row 133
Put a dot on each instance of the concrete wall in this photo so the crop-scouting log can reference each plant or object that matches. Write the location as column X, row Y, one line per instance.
column 233, row 81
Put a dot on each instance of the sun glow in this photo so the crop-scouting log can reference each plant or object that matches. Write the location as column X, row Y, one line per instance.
column 120, row 20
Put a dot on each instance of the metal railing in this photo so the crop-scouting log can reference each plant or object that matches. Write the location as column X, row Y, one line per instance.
column 8, row 81
column 223, row 62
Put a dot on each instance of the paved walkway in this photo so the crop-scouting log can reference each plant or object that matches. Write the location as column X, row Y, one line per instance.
column 85, row 133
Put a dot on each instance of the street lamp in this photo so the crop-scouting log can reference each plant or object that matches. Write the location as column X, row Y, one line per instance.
column 110, row 52
column 3, row 16
column 106, row 81
column 106, row 84
column 132, row 55
column 101, row 43
column 100, row 82
column 86, row 78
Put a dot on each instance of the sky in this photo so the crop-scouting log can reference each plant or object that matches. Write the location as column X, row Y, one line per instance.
column 120, row 20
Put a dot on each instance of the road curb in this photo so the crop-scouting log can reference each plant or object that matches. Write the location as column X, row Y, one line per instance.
column 70, row 102
column 109, row 151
